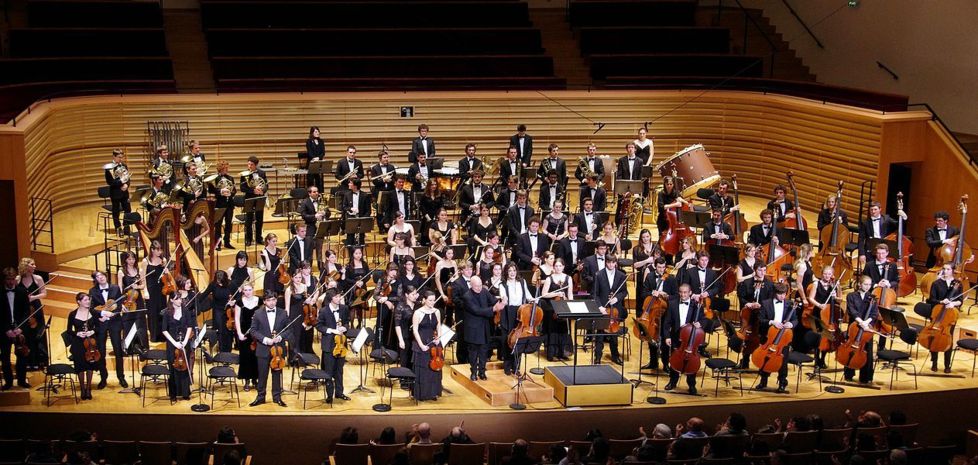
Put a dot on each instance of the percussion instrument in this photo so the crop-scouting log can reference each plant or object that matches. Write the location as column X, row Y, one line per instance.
column 692, row 167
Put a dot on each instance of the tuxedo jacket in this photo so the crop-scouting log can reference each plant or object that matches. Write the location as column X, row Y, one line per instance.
column 417, row 147
column 506, row 169
column 558, row 165
column 363, row 205
column 601, row 291
column 934, row 241
column 600, row 198
column 464, row 168
column 583, row 229
column 315, row 148
column 294, row 252
column 673, row 323
column 466, row 197
column 940, row 291
column 261, row 328
column 887, row 226
column 513, row 219
column 326, row 321
column 478, row 316
column 622, row 170
column 22, row 307
column 392, row 205
column 856, row 307
column 564, row 251
column 890, row 272
column 590, row 269
column 343, row 168
column 525, row 154
column 545, row 195
column 250, row 192
column 722, row 203
column 524, row 249
column 115, row 185
column 307, row 209
column 710, row 229
column 766, row 316
column 745, row 291
column 413, row 172
column 598, row 169
column 693, row 278
column 115, row 293
column 669, row 285
column 775, row 206
column 379, row 184
column 757, row 237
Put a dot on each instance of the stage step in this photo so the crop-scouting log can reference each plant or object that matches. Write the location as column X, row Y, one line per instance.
column 71, row 279
column 62, row 294
column 498, row 389
column 58, row 308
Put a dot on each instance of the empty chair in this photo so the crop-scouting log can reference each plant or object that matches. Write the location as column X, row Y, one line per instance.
column 498, row 450
column 120, row 452
column 190, row 452
column 728, row 446
column 156, row 453
column 620, row 448
column 800, row 441
column 12, row 450
column 423, row 454
column 351, row 454
column 939, row 455
column 466, row 454
column 223, row 376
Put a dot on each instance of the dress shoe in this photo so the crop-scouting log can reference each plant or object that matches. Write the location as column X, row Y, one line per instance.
column 820, row 364
column 703, row 352
column 474, row 377
column 617, row 361
column 933, row 366
column 483, row 376
column 248, row 243
column 342, row 397
column 123, row 383
column 847, row 379
column 670, row 386
column 24, row 384
column 173, row 399
column 185, row 397
column 947, row 369
column 228, row 246
column 507, row 371
column 247, row 387
column 256, row 402
column 743, row 364
column 761, row 385
column 329, row 400
column 782, row 388
column 101, row 384
column 280, row 403
column 692, row 391
column 649, row 366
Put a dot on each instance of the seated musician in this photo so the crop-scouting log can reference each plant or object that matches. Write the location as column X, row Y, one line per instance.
column 721, row 198
column 610, row 292
column 550, row 192
column 595, row 193
column 593, row 265
column 860, row 313
column 716, row 229
column 946, row 291
column 827, row 212
column 530, row 246
column 469, row 163
column 751, row 292
column 355, row 204
column 422, row 145
column 938, row 235
column 588, row 221
column 593, row 163
column 882, row 273
column 553, row 163
column 472, row 195
column 518, row 218
column 777, row 312
column 682, row 310
column 761, row 234
column 877, row 226
column 419, row 173
column 780, row 205
column 511, row 166
column 659, row 285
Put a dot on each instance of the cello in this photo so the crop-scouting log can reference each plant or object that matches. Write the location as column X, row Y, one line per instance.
column 908, row 278
column 831, row 317
column 936, row 335
column 770, row 356
column 748, row 330
column 852, row 354
column 956, row 251
column 646, row 327
column 774, row 256
column 686, row 358
column 529, row 316
column 832, row 252
column 672, row 238
column 797, row 221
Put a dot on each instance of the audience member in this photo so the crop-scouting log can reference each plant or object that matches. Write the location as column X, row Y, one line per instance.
column 387, row 436
column 572, row 458
column 898, row 457
column 685, row 447
column 519, row 454
column 232, row 457
column 457, row 436
column 227, row 436
column 556, row 453
column 420, row 434
column 349, row 435
column 600, row 450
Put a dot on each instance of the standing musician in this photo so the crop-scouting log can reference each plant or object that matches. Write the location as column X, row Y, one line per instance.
column 131, row 276
column 821, row 295
column 247, row 307
column 347, row 165
column 644, row 146
column 219, row 291
column 117, row 177
column 300, row 248
column 511, row 165
column 946, row 291
column 36, row 288
column 523, row 143
column 223, row 190
column 81, row 325
column 355, row 204
column 557, row 286
column 426, row 330
column 721, row 198
column 313, row 211
column 594, row 192
column 420, row 174
column 408, row 276
column 745, row 269
column 253, row 184
column 592, row 162
column 157, row 198
column 469, row 162
column 550, row 192
column 403, row 314
column 480, row 307
column 668, row 198
column 518, row 218
column 163, row 167
column 266, row 328
column 398, row 201
column 387, row 290
column 780, row 205
column 751, row 292
column 703, row 279
column 553, row 163
column 555, row 223
column 857, row 305
column 315, row 151
column 763, row 233
column 442, row 232
column 588, row 221
column 332, row 325
column 777, row 312
column 610, row 292
column 716, row 229
column 804, row 277
column 195, row 156
column 14, row 309
column 877, row 226
column 480, row 230
column 594, row 265
column 193, row 187
column 382, row 175
column 428, row 205
column 109, row 325
column 472, row 195
column 531, row 245
column 629, row 166
column 516, row 293
column 460, row 287
column 506, row 198
column 681, row 311
column 422, row 144
column 571, row 248
column 658, row 284
column 938, row 235
column 268, row 261
column 883, row 274
column 153, row 268
column 178, row 328
column 827, row 212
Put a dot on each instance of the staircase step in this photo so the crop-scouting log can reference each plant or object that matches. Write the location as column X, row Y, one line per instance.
column 63, row 294
column 70, row 279
column 58, row 309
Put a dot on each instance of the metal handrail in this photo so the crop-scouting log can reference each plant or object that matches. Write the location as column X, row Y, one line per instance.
column 802, row 22
column 749, row 18
column 42, row 214
column 935, row 117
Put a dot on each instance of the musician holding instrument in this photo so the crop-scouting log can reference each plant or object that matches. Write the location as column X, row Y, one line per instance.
column 266, row 328
column 81, row 327
column 938, row 235
column 131, row 277
column 254, row 183
column 219, row 291
column 530, row 246
column 517, row 293
column 745, row 269
column 399, row 204
column 589, row 165
column 593, row 264
column 946, row 291
column 472, row 195
column 667, row 199
column 777, row 313
column 822, row 295
column 247, row 306
column 355, row 204
column 117, row 177
column 420, row 174
column 348, row 167
column 332, row 326
column 193, row 187
column 382, row 175
column 178, row 329
column 162, row 166
column 716, row 230
column 511, row 166
column 469, row 163
column 523, row 143
column 763, row 233
column 877, row 226
column 610, row 292
column 756, row 288
column 828, row 212
column 659, row 285
column 556, row 286
column 682, row 311
column 550, row 192
column 300, row 292
column 594, row 192
column 553, row 163
column 426, row 332
column 109, row 324
column 269, row 258
column 589, row 220
column 300, row 248
column 223, row 189
column 882, row 274
column 863, row 314
column 781, row 205
column 422, row 145
column 14, row 310
column 408, row 276
column 315, row 151
column 313, row 210
column 403, row 321
column 721, row 198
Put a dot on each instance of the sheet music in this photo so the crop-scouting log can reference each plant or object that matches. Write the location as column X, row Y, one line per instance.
column 577, row 306
column 129, row 337
column 446, row 335
column 200, row 336
column 360, row 340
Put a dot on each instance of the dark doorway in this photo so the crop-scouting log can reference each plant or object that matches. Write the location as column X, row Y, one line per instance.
column 8, row 247
column 899, row 181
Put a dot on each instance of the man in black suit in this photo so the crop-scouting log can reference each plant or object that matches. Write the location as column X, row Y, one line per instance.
column 460, row 287
column 610, row 292
column 300, row 248
column 518, row 218
column 589, row 221
column 224, row 198
column 593, row 162
column 382, row 176
column 163, row 158
column 780, row 205
column 109, row 326
column 938, row 235
column 571, row 249
column 398, row 201
column 860, row 313
column 309, row 209
column 781, row 314
column 703, row 281
column 531, row 246
column 595, row 193
column 877, row 226
column 882, row 273
column 761, row 234
column 681, row 311
column 658, row 285
column 266, row 327
column 716, row 228
column 469, row 162
column 751, row 292
column 550, row 190
column 117, row 177
column 355, row 204
column 419, row 172
column 593, row 265
column 523, row 143
column 472, row 195
column 332, row 322
column 347, row 165
column 553, row 163
column 421, row 144
column 721, row 198
column 511, row 166
column 629, row 167
column 251, row 186
column 506, row 198
column 480, row 307
column 14, row 310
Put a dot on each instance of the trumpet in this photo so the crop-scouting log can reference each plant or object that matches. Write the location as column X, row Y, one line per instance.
column 385, row 176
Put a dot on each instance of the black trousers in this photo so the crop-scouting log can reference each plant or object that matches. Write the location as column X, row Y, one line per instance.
column 8, row 369
column 111, row 329
column 334, row 367
column 599, row 342
column 478, row 353
column 866, row 372
column 263, row 370
column 223, row 224
column 120, row 206
column 782, row 372
column 257, row 219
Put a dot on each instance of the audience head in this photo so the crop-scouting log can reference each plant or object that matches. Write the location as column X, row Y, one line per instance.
column 662, row 431
column 387, row 436
column 424, row 431
column 349, row 435
column 520, row 447
column 227, row 436
column 737, row 422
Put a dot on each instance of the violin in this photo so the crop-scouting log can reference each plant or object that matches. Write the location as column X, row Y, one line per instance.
column 130, row 299
column 20, row 345
column 908, row 278
column 956, row 251
column 284, row 278
column 832, row 252
column 936, row 335
column 277, row 355
column 169, row 283
column 770, row 356
column 686, row 358
column 92, row 353
column 852, row 354
column 310, row 314
column 798, row 222
column 529, row 316
column 339, row 345
column 179, row 357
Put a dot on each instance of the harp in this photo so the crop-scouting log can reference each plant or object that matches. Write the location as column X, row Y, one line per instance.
column 161, row 228
column 199, row 259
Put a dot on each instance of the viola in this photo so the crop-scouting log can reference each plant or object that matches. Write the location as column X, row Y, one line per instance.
column 339, row 345
column 686, row 358
column 310, row 314
column 20, row 345
column 956, row 251
column 277, row 356
column 437, row 353
column 529, row 316
column 179, row 360
column 229, row 311
column 908, row 278
column 169, row 284
column 92, row 353
column 852, row 354
column 798, row 222
column 832, row 253
column 770, row 356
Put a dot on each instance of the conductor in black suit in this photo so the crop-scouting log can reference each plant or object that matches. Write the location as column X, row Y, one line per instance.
column 332, row 322
column 716, row 228
column 469, row 162
column 531, row 246
column 421, row 144
column 610, row 292
column 10, row 318
column 681, row 311
column 779, row 313
column 524, row 145
column 938, row 235
column 109, row 326
column 593, row 163
column 553, row 163
column 349, row 164
column 309, row 209
column 266, row 328
column 480, row 307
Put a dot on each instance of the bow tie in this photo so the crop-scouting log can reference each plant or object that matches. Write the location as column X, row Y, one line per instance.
column 685, row 302
column 573, row 241
column 600, row 259
column 522, row 208
column 588, row 214
column 270, row 310
column 533, row 236
column 631, row 158
column 876, row 219
column 11, row 290
column 778, row 302
column 942, row 229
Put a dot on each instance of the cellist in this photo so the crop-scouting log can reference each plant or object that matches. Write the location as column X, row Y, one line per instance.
column 751, row 292
column 946, row 291
column 857, row 303
column 777, row 312
column 517, row 293
column 682, row 311
column 658, row 285
column 667, row 198
column 820, row 294
column 882, row 273
column 761, row 234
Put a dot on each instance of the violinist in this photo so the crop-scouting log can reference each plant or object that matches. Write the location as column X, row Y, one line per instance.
column 481, row 228
column 355, row 204
column 300, row 248
column 746, row 267
column 81, row 326
column 266, row 328
column 682, row 310
column 109, row 325
column 592, row 161
column 938, row 235
column 301, row 291
column 185, row 289
column 332, row 272
column 131, row 277
column 219, row 291
column 400, row 250
column 354, row 277
column 609, row 235
column 588, row 221
column 246, row 307
column 426, row 332
column 13, row 311
column 442, row 232
column 877, row 226
column 721, row 198
column 763, row 233
column 828, row 212
column 780, row 205
column 36, row 291
column 472, row 195
column 268, row 261
column 333, row 321
column 946, row 291
column 531, row 245
column 716, row 230
column 595, row 193
column 658, row 284
column 444, row 272
column 386, row 298
column 821, row 296
column 610, row 292
column 777, row 312
column 517, row 293
column 403, row 317
column 751, row 292
column 408, row 276
column 399, row 225
column 857, row 304
column 178, row 328
column 556, row 329
column 480, row 308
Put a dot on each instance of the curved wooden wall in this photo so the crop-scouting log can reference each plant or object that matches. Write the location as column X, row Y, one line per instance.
column 755, row 135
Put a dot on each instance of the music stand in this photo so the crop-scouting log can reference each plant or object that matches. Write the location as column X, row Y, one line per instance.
column 872, row 242
column 523, row 347
column 358, row 226
column 362, row 366
column 795, row 237
column 254, row 206
column 697, row 219
column 576, row 310
column 327, row 229
column 721, row 255
column 320, row 167
column 626, row 185
column 436, row 163
column 647, row 172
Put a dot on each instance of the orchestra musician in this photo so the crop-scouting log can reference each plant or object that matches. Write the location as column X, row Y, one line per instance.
column 820, row 295
column 777, row 312
column 252, row 188
column 686, row 260
column 313, row 212
column 469, row 163
column 703, row 280
column 163, row 167
column 682, row 310
column 588, row 220
column 355, row 204
column 179, row 324
column 516, row 293
column 668, row 198
column 268, row 260
column 550, row 192
column 530, row 246
column 761, row 234
column 400, row 226
column 193, row 187
column 422, row 144
column 877, row 226
column 658, row 284
column 460, row 286
column 382, row 175
column 745, row 269
column 571, row 247
column 643, row 257
column 428, row 205
column 403, row 316
column 247, row 306
column 610, row 292
column 506, row 198
column 716, row 229
column 348, row 167
column 756, row 288
column 857, row 303
column 553, row 163
column 595, row 193
column 555, row 223
column 332, row 273
column 267, row 328
column 109, row 325
column 556, row 286
column 400, row 251
column 153, row 201
column 938, row 235
column 480, row 307
column 117, row 178
column 610, row 236
column 721, row 198
column 420, row 174
column 398, row 202
column 315, row 151
column 644, row 146
column 827, row 212
column 36, row 288
column 594, row 264
column 131, row 276
column 481, row 229
column 472, row 195
column 224, row 198
column 300, row 248
column 883, row 274
column 195, row 156
column 219, row 291
column 523, row 143
column 81, row 326
column 593, row 162
column 946, row 291
column 629, row 167
column 511, row 165
column 780, row 205
column 14, row 310
column 333, row 321
column 443, row 232
column 153, row 270
column 426, row 332
column 408, row 276
column 518, row 217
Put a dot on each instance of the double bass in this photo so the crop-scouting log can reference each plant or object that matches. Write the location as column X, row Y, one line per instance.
column 770, row 356
column 685, row 359
column 735, row 219
column 672, row 238
column 852, row 354
column 956, row 251
column 833, row 251
column 908, row 278
column 774, row 256
column 797, row 222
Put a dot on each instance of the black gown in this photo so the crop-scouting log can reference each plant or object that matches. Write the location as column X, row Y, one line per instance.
column 303, row 341
column 481, row 231
column 555, row 329
column 444, row 275
column 138, row 318
column 78, row 344
column 238, row 276
column 271, row 276
column 156, row 304
column 556, row 226
column 219, row 296
column 402, row 319
column 179, row 382
column 427, row 384
column 248, row 362
column 35, row 336
column 429, row 209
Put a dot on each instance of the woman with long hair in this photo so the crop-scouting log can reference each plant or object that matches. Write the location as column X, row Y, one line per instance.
column 131, row 277
column 426, row 330
column 408, row 276
column 517, row 293
column 400, row 250
column 240, row 271
column 36, row 290
column 431, row 201
column 81, row 326
column 403, row 315
column 301, row 291
column 400, row 225
column 315, row 151
column 244, row 311
column 557, row 286
column 219, row 292
column 480, row 229
column 268, row 261
column 356, row 270
column 178, row 328
column 153, row 268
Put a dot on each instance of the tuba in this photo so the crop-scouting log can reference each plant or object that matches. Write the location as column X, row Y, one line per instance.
column 635, row 211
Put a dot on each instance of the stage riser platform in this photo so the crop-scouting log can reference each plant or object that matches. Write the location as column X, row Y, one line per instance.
column 606, row 389
column 498, row 390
